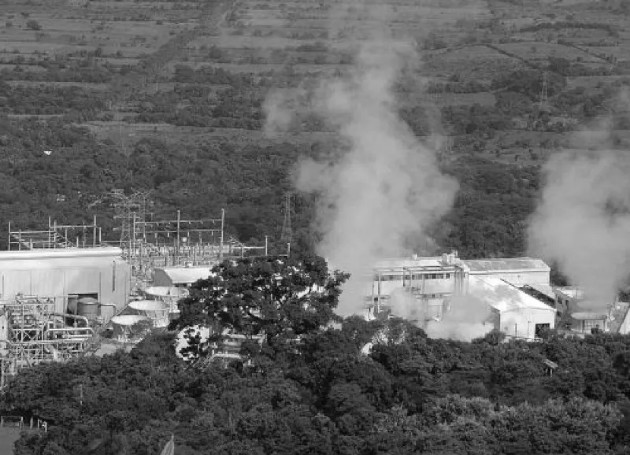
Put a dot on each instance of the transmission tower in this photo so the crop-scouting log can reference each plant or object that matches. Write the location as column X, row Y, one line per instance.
column 543, row 103
column 131, row 210
column 287, row 231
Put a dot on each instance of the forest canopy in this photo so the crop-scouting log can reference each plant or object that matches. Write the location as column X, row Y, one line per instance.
column 353, row 387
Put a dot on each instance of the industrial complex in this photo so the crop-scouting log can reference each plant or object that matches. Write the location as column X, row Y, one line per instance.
column 511, row 295
column 64, row 292
column 61, row 298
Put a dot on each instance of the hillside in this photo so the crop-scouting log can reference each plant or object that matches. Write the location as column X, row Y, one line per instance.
column 170, row 96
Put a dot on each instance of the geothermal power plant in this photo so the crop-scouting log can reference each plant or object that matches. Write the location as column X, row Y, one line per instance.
column 458, row 298
column 62, row 298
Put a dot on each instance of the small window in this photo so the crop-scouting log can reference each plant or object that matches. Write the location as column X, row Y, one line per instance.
column 447, row 276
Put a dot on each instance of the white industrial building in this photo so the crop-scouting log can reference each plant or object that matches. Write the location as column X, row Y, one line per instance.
column 430, row 280
column 67, row 275
column 435, row 282
column 514, row 312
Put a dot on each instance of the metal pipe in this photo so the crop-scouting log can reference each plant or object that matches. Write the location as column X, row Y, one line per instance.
column 74, row 330
column 43, row 342
column 72, row 316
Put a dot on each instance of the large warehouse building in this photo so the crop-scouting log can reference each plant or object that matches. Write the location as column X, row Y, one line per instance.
column 67, row 275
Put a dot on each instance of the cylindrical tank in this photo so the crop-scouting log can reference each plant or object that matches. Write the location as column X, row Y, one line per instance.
column 88, row 307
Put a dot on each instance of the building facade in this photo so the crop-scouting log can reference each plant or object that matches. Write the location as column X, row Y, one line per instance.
column 68, row 273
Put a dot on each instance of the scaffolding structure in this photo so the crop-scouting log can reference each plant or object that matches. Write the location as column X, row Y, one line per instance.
column 55, row 236
column 32, row 333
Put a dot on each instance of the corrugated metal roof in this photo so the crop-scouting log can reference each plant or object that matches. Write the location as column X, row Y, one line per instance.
column 503, row 296
column 506, row 265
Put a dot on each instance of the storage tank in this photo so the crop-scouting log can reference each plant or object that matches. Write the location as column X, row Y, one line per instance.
column 88, row 307
column 168, row 294
column 155, row 310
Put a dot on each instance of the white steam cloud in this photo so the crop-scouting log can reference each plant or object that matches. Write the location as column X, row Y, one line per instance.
column 583, row 221
column 467, row 318
column 382, row 188
column 386, row 188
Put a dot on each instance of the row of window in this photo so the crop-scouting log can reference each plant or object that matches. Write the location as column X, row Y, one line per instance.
column 428, row 276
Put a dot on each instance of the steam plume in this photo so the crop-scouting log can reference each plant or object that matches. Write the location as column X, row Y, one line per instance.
column 583, row 221
column 383, row 190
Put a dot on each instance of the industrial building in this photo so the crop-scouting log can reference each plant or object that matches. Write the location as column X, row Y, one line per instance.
column 517, row 271
column 430, row 280
column 66, row 276
column 436, row 284
column 580, row 315
column 514, row 312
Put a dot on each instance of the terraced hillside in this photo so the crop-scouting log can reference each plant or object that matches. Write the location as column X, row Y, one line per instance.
column 170, row 96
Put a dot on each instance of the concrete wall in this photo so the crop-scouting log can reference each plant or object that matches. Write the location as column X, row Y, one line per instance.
column 58, row 273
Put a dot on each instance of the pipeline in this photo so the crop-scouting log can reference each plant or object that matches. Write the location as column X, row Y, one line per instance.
column 79, row 332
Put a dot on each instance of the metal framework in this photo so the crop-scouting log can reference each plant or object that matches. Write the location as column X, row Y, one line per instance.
column 35, row 333
column 177, row 241
column 55, row 236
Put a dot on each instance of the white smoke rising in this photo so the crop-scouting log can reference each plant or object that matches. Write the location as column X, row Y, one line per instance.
column 468, row 317
column 583, row 221
column 387, row 187
column 383, row 188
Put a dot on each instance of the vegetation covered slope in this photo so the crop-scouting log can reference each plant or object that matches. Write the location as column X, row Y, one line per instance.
column 169, row 96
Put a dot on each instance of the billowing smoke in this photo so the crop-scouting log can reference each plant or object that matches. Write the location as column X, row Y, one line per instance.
column 583, row 221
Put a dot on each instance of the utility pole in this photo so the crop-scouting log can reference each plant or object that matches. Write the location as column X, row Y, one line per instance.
column 221, row 240
column 287, row 230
